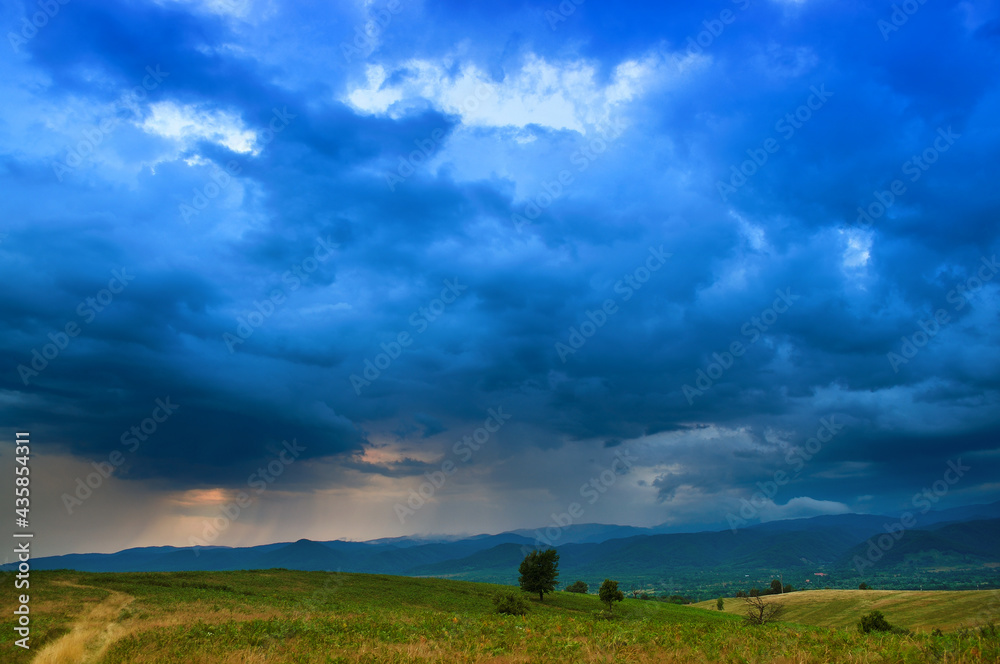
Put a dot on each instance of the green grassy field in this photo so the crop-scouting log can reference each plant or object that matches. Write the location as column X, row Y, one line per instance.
column 286, row 616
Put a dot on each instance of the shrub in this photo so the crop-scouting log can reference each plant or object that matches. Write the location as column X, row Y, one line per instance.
column 577, row 587
column 720, row 604
column 874, row 622
column 863, row 586
column 510, row 603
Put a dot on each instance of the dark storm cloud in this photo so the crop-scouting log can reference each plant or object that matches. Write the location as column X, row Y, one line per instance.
column 789, row 228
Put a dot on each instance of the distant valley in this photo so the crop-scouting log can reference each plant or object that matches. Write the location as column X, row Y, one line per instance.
column 957, row 548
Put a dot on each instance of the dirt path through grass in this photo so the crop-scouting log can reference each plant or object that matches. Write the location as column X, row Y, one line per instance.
column 90, row 635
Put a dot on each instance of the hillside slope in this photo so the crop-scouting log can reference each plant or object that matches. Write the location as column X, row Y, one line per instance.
column 913, row 609
column 956, row 544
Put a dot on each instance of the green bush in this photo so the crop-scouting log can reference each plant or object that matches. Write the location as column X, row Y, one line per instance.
column 510, row 603
column 577, row 587
column 874, row 622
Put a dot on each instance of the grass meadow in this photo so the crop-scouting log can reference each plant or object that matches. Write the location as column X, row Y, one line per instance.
column 288, row 616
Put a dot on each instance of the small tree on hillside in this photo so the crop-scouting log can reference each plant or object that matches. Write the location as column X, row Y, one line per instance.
column 720, row 604
column 577, row 587
column 776, row 587
column 539, row 571
column 760, row 612
column 609, row 593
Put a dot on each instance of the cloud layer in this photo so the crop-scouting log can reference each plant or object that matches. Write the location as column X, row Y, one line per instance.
column 697, row 234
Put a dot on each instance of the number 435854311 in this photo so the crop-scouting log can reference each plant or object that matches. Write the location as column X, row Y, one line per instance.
column 22, row 481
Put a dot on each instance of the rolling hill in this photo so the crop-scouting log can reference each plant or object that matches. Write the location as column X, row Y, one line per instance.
column 912, row 609
column 710, row 560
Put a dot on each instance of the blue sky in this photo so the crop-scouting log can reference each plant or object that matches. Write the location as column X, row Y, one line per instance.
column 724, row 240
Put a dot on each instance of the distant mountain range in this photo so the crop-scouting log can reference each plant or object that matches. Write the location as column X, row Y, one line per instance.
column 964, row 536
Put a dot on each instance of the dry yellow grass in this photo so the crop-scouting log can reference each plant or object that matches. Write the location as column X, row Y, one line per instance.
column 917, row 610
column 90, row 636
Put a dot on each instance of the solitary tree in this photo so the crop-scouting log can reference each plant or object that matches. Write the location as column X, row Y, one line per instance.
column 760, row 612
column 539, row 571
column 863, row 586
column 609, row 593
column 776, row 587
column 577, row 587
column 720, row 604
